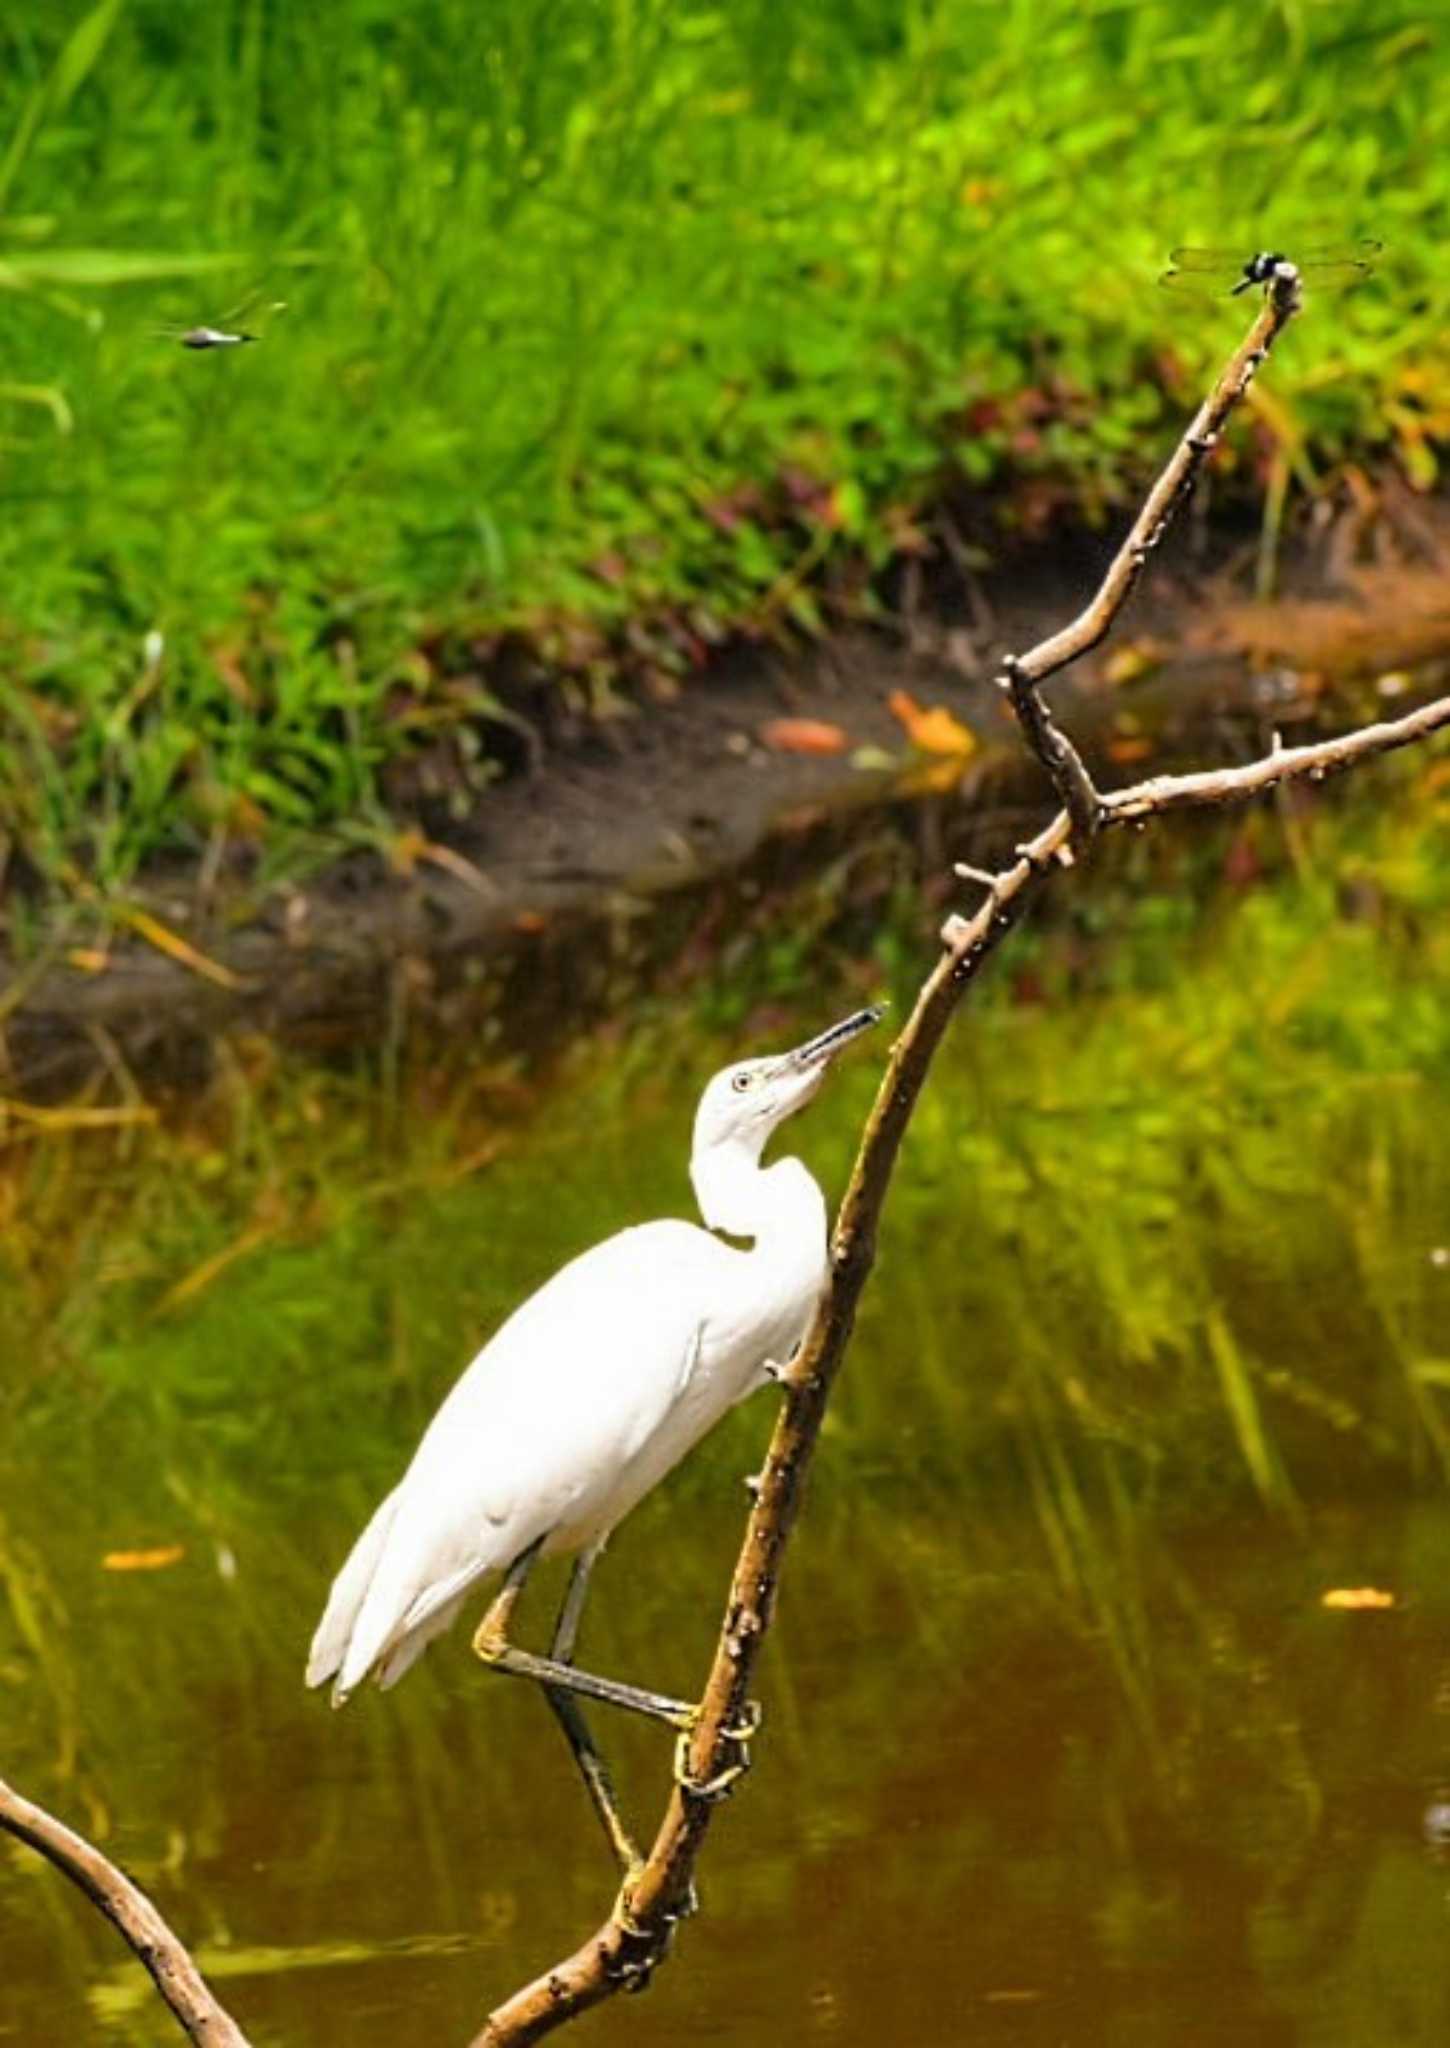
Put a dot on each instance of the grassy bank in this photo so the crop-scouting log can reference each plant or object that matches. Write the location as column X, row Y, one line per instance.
column 609, row 331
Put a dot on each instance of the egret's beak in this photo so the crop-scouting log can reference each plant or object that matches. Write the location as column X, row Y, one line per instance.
column 820, row 1051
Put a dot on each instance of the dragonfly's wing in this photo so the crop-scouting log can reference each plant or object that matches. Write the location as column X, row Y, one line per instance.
column 255, row 304
column 1213, row 284
column 1327, row 266
column 1364, row 251
column 1232, row 262
column 234, row 315
column 1334, row 277
column 1229, row 262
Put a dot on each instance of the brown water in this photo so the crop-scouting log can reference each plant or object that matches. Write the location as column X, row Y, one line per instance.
column 1061, row 1745
column 976, row 1815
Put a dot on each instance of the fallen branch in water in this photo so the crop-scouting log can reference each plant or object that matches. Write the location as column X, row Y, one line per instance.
column 131, row 1913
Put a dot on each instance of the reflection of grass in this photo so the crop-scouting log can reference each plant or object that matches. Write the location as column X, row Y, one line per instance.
column 1160, row 1240
column 1209, row 1190
column 1175, row 1187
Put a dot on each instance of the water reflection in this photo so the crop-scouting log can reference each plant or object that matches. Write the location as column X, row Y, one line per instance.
column 962, row 1825
column 1061, row 1744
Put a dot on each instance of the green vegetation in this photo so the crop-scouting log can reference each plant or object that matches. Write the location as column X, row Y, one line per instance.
column 610, row 330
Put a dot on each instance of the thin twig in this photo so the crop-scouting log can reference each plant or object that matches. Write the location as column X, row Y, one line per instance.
column 133, row 1916
column 1053, row 748
column 1090, row 626
column 1313, row 763
column 1022, row 677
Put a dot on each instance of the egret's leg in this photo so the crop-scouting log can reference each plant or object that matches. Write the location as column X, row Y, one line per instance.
column 494, row 1626
column 566, row 1628
column 492, row 1644
column 570, row 1716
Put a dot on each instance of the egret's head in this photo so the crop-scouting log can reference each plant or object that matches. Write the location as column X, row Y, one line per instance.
column 744, row 1104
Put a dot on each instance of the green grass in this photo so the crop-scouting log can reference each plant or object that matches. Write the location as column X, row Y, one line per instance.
column 610, row 329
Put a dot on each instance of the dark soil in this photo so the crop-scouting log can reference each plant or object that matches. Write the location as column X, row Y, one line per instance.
column 592, row 870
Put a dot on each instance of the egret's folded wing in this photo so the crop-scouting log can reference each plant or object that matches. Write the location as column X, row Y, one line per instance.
column 541, row 1437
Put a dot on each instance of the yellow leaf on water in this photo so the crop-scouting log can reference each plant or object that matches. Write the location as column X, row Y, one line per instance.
column 143, row 1560
column 1356, row 1597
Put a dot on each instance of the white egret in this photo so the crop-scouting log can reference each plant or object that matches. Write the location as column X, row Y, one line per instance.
column 586, row 1397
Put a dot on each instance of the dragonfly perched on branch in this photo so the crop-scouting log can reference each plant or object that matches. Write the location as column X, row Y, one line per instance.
column 227, row 333
column 1332, row 266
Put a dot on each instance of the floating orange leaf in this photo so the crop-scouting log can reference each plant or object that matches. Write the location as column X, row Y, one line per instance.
column 803, row 736
column 934, row 730
column 1355, row 1597
column 143, row 1560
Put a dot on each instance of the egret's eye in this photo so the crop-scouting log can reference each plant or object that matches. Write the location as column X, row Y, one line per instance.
column 740, row 1082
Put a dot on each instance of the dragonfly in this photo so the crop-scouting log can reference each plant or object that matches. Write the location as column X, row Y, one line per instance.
column 226, row 333
column 1330, row 266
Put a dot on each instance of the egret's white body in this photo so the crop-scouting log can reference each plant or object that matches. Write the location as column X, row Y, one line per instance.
column 599, row 1384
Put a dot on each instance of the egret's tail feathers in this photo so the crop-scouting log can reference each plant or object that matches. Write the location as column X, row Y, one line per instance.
column 383, row 1642
column 408, row 1648
column 333, row 1639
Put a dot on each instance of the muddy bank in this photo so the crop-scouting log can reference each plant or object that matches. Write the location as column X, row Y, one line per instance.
column 613, row 850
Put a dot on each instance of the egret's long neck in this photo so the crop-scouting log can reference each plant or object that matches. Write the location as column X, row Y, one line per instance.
column 742, row 1198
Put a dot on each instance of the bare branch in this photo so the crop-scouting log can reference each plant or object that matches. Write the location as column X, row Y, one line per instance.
column 1022, row 677
column 133, row 1916
column 1091, row 625
column 1053, row 748
column 1283, row 764
column 637, row 1934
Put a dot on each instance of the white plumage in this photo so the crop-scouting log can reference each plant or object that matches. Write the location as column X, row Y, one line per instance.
column 599, row 1384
